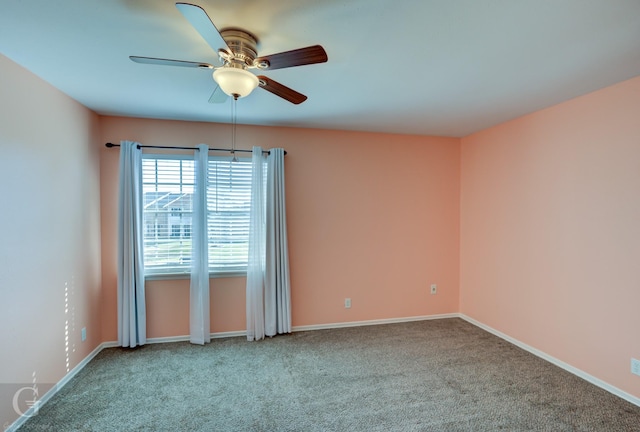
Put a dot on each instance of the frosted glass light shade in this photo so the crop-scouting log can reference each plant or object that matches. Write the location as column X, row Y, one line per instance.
column 234, row 81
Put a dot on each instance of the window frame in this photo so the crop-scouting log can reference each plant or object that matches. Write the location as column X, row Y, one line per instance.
column 176, row 272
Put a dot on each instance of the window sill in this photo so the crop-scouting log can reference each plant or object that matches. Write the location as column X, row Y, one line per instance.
column 177, row 276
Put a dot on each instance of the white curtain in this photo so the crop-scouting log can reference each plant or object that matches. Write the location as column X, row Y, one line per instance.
column 277, row 297
column 256, row 261
column 200, row 332
column 132, row 327
column 268, row 286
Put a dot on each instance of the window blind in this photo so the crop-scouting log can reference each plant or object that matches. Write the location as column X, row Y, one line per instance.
column 168, row 185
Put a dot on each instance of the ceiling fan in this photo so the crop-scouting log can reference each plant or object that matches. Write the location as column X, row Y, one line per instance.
column 237, row 49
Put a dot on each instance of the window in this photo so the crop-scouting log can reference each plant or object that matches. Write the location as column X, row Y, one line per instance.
column 168, row 185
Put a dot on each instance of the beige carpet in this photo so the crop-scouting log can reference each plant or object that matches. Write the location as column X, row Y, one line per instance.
column 442, row 375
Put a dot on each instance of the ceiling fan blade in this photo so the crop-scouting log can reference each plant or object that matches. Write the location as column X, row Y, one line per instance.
column 297, row 57
column 280, row 90
column 218, row 96
column 203, row 25
column 169, row 62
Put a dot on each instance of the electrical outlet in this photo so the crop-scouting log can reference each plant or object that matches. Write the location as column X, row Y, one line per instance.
column 347, row 303
column 83, row 334
column 635, row 366
column 434, row 288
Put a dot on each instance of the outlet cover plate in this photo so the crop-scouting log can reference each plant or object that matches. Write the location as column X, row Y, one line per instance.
column 635, row 366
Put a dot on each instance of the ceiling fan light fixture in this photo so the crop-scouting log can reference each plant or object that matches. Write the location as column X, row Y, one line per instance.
column 235, row 81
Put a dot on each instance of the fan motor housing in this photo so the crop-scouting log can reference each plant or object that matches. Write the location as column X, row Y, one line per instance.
column 243, row 45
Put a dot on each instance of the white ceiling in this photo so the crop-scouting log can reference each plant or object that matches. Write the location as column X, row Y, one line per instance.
column 427, row 67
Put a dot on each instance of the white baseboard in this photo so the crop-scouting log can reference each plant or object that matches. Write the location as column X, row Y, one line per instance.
column 169, row 339
column 238, row 333
column 575, row 371
column 186, row 338
column 372, row 322
column 228, row 334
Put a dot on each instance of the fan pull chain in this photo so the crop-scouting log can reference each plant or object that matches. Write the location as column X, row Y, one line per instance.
column 233, row 129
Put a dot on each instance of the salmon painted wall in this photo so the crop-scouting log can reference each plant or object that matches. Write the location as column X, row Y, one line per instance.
column 372, row 217
column 550, row 231
column 50, row 219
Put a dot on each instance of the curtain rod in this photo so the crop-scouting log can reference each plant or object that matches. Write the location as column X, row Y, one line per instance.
column 109, row 145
